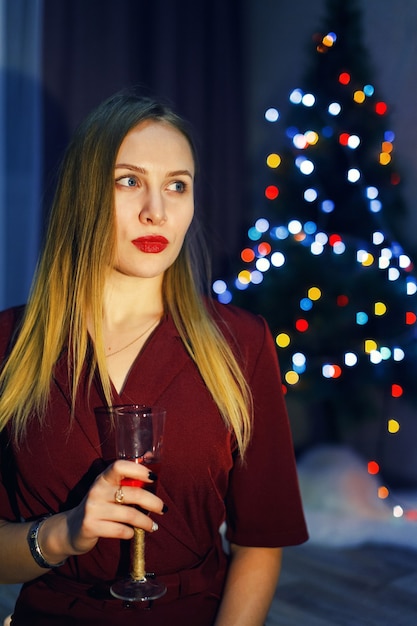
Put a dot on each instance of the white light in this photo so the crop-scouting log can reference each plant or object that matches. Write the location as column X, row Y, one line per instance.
column 299, row 141
column 387, row 253
column 404, row 261
column 316, row 248
column 295, row 227
column 398, row 354
column 307, row 167
column 411, row 288
column 219, row 286
column 310, row 195
column 353, row 175
column 296, row 96
column 322, row 238
column 308, row 100
column 299, row 160
column 271, row 115
column 377, row 238
column 299, row 359
column 350, row 359
column 393, row 273
column 375, row 206
column 339, row 247
column 397, row 511
column 361, row 256
column 327, row 371
column 277, row 259
column 383, row 263
column 372, row 193
column 263, row 264
column 256, row 277
column 375, row 356
column 334, row 108
column 353, row 142
column 262, row 225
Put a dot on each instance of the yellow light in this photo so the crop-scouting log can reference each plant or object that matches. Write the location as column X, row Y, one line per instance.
column 312, row 137
column 283, row 340
column 328, row 41
column 383, row 493
column 359, row 96
column 393, row 426
column 387, row 146
column 292, row 377
column 370, row 345
column 380, row 308
column 244, row 277
column 273, row 160
column 314, row 293
column 367, row 260
column 384, row 158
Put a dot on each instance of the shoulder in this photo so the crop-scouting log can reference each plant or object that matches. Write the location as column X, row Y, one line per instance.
column 9, row 322
column 247, row 331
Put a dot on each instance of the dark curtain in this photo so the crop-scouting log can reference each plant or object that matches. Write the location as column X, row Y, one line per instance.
column 187, row 51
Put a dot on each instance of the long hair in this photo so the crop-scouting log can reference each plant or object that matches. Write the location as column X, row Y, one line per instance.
column 69, row 282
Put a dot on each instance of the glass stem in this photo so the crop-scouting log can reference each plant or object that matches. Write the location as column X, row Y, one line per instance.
column 138, row 555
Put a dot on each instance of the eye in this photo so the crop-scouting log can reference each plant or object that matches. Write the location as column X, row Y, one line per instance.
column 179, row 186
column 127, row 181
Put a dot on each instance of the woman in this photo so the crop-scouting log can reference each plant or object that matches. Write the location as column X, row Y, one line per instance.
column 115, row 317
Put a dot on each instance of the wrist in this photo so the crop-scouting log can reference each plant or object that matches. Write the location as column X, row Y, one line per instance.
column 35, row 544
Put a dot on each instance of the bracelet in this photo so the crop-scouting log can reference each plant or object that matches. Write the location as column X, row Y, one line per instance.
column 34, row 547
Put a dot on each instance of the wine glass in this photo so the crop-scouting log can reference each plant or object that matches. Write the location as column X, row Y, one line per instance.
column 139, row 438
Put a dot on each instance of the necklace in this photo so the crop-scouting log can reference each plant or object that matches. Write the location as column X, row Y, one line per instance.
column 133, row 341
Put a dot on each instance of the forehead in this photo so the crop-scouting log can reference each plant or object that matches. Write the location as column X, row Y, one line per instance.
column 154, row 139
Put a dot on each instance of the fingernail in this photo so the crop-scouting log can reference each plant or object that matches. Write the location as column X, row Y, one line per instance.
column 154, row 526
column 164, row 508
column 152, row 476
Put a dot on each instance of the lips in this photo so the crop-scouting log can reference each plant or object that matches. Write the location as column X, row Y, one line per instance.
column 152, row 244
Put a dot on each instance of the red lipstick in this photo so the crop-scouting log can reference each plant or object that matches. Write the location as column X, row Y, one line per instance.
column 152, row 244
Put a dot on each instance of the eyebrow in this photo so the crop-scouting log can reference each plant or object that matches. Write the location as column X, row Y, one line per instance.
column 142, row 170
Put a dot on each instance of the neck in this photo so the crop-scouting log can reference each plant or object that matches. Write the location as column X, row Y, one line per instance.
column 129, row 300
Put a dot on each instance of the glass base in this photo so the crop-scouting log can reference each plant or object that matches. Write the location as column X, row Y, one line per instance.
column 137, row 590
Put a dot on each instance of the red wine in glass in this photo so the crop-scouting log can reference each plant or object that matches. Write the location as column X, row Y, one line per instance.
column 139, row 438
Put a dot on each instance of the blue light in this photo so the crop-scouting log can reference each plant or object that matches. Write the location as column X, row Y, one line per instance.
column 368, row 90
column 291, row 131
column 389, row 135
column 225, row 297
column 254, row 234
column 310, row 228
column 361, row 318
column 327, row 206
column 306, row 304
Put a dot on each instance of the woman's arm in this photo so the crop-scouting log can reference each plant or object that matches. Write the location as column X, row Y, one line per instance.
column 250, row 586
column 77, row 531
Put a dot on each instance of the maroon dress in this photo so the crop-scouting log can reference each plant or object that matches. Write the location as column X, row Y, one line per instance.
column 202, row 481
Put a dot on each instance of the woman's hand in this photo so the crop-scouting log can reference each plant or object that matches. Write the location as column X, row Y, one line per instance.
column 100, row 515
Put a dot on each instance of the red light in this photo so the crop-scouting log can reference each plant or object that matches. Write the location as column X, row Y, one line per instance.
column 344, row 78
column 395, row 178
column 396, row 391
column 337, row 371
column 381, row 108
column 334, row 239
column 410, row 318
column 301, row 325
column 373, row 467
column 284, row 389
column 247, row 255
column 342, row 300
column 264, row 248
column 343, row 139
column 271, row 192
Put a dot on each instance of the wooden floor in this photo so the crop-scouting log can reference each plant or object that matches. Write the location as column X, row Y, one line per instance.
column 365, row 586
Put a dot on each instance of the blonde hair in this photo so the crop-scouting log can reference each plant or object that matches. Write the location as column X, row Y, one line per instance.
column 69, row 283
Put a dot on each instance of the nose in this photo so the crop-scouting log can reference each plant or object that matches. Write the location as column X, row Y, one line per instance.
column 152, row 210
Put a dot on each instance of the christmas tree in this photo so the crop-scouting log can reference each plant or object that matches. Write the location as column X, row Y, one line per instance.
column 324, row 261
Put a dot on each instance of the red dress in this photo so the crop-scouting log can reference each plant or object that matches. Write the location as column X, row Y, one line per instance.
column 202, row 482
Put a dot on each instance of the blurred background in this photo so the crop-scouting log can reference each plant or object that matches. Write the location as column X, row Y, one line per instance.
column 304, row 116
